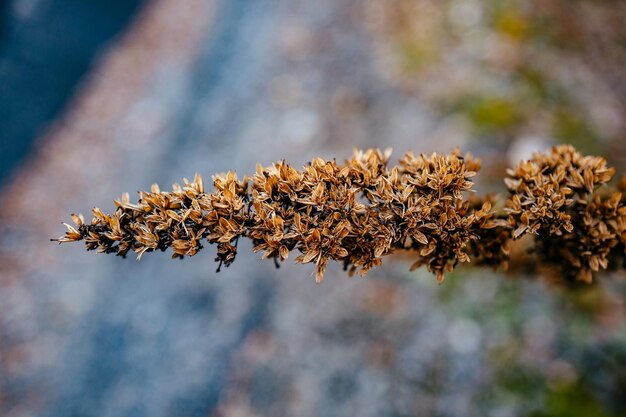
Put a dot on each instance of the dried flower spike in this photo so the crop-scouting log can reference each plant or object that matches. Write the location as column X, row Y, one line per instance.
column 361, row 210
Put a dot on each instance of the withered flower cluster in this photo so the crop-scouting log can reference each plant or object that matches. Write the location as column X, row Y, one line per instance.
column 361, row 210
column 578, row 228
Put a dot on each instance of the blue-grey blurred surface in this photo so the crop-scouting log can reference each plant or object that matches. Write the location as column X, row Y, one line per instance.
column 45, row 49
column 209, row 86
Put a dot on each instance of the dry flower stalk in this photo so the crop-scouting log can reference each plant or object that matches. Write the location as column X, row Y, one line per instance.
column 361, row 210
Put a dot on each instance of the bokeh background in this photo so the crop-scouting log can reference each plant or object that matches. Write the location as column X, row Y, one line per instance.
column 102, row 97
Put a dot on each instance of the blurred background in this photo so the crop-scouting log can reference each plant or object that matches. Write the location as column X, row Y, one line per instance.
column 102, row 97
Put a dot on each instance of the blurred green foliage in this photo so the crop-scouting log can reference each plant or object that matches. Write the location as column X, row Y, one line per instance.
column 544, row 350
column 510, row 68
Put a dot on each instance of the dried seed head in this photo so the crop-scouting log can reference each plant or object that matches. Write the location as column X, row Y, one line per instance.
column 554, row 195
column 361, row 210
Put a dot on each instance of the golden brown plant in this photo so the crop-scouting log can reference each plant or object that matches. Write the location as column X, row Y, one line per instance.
column 361, row 210
column 555, row 196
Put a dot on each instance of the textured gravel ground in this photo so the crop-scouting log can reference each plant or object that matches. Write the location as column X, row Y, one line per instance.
column 209, row 86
